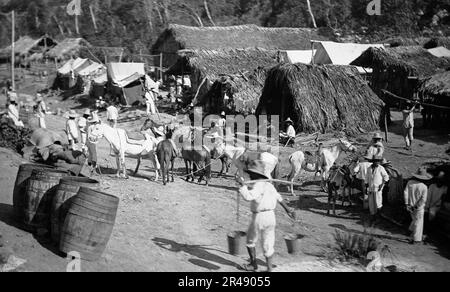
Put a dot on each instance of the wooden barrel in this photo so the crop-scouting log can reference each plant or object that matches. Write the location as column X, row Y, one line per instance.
column 67, row 188
column 39, row 195
column 20, row 187
column 89, row 223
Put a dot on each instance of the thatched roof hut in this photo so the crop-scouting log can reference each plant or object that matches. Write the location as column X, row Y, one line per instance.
column 27, row 46
column 180, row 37
column 321, row 98
column 68, row 48
column 238, row 72
column 437, row 88
column 399, row 70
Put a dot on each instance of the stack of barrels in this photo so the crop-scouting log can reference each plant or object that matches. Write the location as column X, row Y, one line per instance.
column 70, row 210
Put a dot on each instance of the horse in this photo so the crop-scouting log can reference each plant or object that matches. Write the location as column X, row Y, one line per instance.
column 166, row 155
column 326, row 159
column 340, row 179
column 122, row 145
column 240, row 157
column 196, row 159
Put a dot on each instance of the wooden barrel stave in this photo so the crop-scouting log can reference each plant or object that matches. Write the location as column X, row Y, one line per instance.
column 67, row 188
column 20, row 187
column 39, row 195
column 89, row 224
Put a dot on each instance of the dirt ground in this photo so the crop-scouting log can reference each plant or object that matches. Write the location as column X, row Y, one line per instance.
column 183, row 227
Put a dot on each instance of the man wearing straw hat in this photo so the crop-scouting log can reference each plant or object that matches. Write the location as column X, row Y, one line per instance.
column 264, row 198
column 72, row 129
column 82, row 125
column 360, row 172
column 408, row 124
column 288, row 138
column 376, row 147
column 41, row 110
column 416, row 194
column 436, row 193
column 92, row 148
column 376, row 178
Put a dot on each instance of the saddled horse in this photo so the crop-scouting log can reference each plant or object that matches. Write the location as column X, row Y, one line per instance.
column 340, row 180
column 122, row 145
column 197, row 158
column 326, row 159
column 166, row 155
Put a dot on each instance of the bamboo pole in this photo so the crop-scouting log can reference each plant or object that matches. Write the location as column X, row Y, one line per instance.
column 161, row 66
column 13, row 47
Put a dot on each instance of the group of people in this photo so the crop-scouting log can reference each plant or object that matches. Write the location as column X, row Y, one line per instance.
column 13, row 105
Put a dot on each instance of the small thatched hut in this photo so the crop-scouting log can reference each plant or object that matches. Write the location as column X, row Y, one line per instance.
column 27, row 46
column 68, row 49
column 400, row 70
column 436, row 91
column 180, row 37
column 321, row 98
column 227, row 79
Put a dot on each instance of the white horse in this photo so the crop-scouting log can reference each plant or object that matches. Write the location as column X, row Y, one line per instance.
column 326, row 159
column 122, row 146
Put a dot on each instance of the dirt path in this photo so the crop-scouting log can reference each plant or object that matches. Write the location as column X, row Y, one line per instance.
column 183, row 227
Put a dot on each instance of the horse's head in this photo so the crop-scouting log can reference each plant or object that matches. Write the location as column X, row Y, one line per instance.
column 347, row 146
column 96, row 133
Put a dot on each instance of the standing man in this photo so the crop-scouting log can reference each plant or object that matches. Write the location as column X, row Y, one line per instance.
column 435, row 194
column 376, row 179
column 150, row 95
column 41, row 111
column 82, row 125
column 264, row 198
column 92, row 148
column 408, row 124
column 13, row 112
column 112, row 115
column 72, row 130
column 416, row 194
column 376, row 147
column 360, row 171
column 222, row 123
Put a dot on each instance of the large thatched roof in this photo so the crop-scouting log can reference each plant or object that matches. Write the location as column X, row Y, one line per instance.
column 28, row 46
column 241, row 37
column 411, row 61
column 321, row 98
column 242, row 71
column 437, row 85
column 67, row 48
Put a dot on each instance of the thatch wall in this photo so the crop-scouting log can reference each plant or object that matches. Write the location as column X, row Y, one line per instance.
column 437, row 89
column 26, row 46
column 238, row 72
column 68, row 48
column 321, row 98
column 394, row 67
column 180, row 37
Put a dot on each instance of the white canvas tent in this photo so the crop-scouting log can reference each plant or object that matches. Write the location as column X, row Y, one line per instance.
column 440, row 52
column 304, row 57
column 125, row 79
column 341, row 53
column 74, row 66
column 93, row 69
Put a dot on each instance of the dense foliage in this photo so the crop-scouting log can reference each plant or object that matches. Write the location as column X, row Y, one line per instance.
column 136, row 24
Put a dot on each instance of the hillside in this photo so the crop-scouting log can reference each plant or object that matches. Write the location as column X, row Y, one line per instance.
column 136, row 24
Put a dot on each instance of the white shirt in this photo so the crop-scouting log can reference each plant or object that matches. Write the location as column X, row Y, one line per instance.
column 291, row 132
column 416, row 194
column 435, row 194
column 13, row 113
column 263, row 196
column 376, row 177
column 42, row 109
column 112, row 113
column 408, row 119
column 82, row 123
column 222, row 123
column 361, row 170
column 72, row 129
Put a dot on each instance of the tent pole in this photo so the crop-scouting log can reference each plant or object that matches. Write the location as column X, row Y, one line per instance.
column 161, row 66
column 13, row 54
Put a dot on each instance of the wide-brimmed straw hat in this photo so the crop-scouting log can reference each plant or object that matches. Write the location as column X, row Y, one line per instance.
column 87, row 112
column 376, row 159
column 289, row 121
column 257, row 167
column 94, row 119
column 159, row 130
column 223, row 114
column 38, row 97
column 422, row 174
column 73, row 114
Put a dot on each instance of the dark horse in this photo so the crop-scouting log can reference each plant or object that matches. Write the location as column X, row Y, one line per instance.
column 166, row 156
column 197, row 160
column 340, row 180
